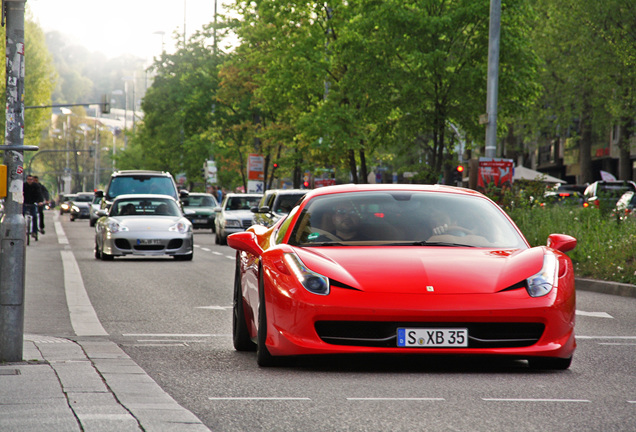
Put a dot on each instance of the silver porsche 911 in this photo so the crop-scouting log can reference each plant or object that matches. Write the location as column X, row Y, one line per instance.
column 144, row 225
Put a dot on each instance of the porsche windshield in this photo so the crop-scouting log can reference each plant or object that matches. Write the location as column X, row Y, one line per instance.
column 404, row 218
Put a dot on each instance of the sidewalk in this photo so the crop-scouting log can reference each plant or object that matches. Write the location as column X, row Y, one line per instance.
column 87, row 383
column 76, row 383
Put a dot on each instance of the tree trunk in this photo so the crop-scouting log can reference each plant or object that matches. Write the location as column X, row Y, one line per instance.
column 363, row 167
column 585, row 143
column 624, row 162
column 352, row 166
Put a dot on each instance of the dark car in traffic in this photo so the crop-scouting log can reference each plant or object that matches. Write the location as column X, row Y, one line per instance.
column 80, row 206
column 199, row 209
column 605, row 194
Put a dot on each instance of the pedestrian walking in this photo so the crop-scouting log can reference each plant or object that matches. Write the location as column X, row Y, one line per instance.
column 46, row 197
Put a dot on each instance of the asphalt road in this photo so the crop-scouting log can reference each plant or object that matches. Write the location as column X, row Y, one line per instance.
column 174, row 320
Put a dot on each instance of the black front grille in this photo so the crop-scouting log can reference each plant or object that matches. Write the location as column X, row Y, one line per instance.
column 175, row 244
column 122, row 244
column 384, row 334
column 148, row 247
column 247, row 223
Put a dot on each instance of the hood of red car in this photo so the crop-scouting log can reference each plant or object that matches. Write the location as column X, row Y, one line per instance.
column 413, row 269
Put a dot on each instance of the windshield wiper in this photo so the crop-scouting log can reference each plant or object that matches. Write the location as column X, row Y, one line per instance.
column 427, row 243
column 331, row 243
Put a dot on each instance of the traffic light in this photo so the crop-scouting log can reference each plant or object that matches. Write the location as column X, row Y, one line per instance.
column 306, row 184
column 275, row 165
column 458, row 175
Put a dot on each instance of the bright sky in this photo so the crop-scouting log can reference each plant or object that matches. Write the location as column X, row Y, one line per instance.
column 116, row 27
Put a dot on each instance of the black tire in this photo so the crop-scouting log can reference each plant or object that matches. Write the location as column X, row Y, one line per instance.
column 184, row 257
column 240, row 333
column 216, row 239
column 98, row 254
column 549, row 363
column 105, row 256
column 263, row 356
column 222, row 239
column 92, row 222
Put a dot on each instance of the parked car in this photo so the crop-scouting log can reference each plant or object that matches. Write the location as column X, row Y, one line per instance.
column 66, row 202
column 139, row 182
column 604, row 194
column 143, row 225
column 234, row 215
column 199, row 209
column 626, row 206
column 565, row 195
column 93, row 209
column 80, row 206
column 275, row 204
column 402, row 269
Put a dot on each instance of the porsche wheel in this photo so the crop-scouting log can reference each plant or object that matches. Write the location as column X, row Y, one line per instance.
column 105, row 256
column 263, row 357
column 240, row 332
column 547, row 363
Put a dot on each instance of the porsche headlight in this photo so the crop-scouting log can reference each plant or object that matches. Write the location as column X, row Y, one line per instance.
column 313, row 282
column 181, row 227
column 114, row 227
column 233, row 223
column 542, row 283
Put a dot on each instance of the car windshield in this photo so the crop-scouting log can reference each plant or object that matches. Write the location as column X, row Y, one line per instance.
column 145, row 207
column 141, row 184
column 404, row 218
column 241, row 202
column 200, row 201
column 84, row 198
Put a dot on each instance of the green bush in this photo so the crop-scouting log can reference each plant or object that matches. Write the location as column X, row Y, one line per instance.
column 606, row 247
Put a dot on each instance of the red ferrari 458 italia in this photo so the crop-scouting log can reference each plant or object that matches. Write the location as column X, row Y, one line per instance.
column 397, row 269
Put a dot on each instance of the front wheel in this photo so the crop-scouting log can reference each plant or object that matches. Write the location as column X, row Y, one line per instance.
column 240, row 333
column 263, row 356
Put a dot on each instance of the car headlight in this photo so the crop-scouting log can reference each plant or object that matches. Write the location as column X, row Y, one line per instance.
column 542, row 283
column 313, row 282
column 232, row 223
column 75, row 209
column 114, row 227
column 181, row 227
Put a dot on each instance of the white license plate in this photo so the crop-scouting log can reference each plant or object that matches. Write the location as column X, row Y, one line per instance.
column 200, row 221
column 432, row 337
column 149, row 242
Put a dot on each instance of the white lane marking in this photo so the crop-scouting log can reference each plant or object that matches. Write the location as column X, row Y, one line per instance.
column 205, row 249
column 83, row 317
column 607, row 337
column 396, row 399
column 61, row 235
column 223, row 308
column 594, row 314
column 261, row 398
column 534, row 400
column 196, row 246
column 176, row 335
column 617, row 344
column 230, row 257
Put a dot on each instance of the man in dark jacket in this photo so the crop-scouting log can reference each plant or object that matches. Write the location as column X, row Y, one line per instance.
column 45, row 197
column 32, row 197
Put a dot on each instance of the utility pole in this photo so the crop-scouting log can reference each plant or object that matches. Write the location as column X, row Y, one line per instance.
column 492, row 88
column 12, row 226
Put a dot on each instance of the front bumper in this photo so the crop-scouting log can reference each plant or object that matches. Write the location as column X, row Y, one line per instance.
column 131, row 243
column 347, row 321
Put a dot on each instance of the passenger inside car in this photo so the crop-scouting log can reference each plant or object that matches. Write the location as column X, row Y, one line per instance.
column 127, row 210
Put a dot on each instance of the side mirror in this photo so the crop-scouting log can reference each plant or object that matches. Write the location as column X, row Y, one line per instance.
column 99, row 193
column 246, row 242
column 561, row 242
column 101, row 212
column 184, row 193
column 217, row 209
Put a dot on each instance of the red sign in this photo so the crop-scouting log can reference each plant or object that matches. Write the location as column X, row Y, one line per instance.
column 255, row 167
column 497, row 172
